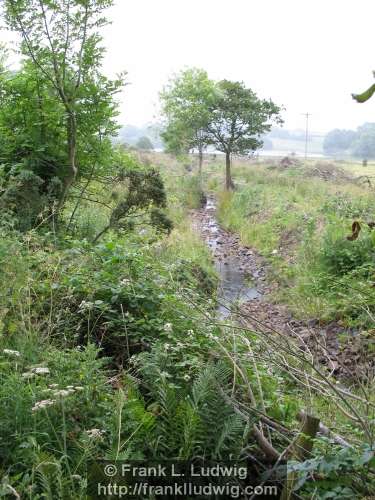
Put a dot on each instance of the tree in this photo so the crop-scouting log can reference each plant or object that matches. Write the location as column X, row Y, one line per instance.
column 364, row 145
column 61, row 40
column 338, row 141
column 186, row 102
column 237, row 120
column 144, row 144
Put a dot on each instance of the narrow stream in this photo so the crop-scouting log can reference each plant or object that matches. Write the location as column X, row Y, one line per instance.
column 234, row 278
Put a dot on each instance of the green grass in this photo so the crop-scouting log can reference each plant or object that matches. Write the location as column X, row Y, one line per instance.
column 294, row 221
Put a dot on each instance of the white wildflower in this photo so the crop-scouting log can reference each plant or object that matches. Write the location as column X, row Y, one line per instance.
column 190, row 333
column 79, row 388
column 133, row 360
column 167, row 347
column 275, row 251
column 168, row 327
column 187, row 377
column 10, row 352
column 85, row 305
column 62, row 393
column 77, row 477
column 70, row 386
column 95, row 433
column 28, row 375
column 40, row 370
column 125, row 282
column 43, row 404
column 53, row 386
column 180, row 344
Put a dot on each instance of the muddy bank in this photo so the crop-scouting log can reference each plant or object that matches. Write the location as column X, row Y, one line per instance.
column 245, row 293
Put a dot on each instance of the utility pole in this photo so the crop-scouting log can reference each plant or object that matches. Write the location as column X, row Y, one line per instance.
column 306, row 115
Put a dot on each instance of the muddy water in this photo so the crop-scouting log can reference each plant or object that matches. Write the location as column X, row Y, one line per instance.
column 234, row 285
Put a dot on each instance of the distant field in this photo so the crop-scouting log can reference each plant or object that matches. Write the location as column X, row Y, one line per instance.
column 357, row 169
column 315, row 145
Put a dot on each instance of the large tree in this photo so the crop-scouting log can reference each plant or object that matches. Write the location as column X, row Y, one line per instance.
column 237, row 120
column 61, row 40
column 339, row 141
column 364, row 144
column 186, row 103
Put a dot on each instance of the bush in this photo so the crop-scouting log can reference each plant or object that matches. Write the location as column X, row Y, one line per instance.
column 339, row 256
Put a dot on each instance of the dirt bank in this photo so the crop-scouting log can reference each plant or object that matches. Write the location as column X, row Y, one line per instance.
column 246, row 294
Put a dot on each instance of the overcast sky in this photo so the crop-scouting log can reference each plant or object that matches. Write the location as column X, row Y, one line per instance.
column 307, row 55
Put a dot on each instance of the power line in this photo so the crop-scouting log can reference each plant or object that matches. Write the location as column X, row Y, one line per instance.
column 306, row 115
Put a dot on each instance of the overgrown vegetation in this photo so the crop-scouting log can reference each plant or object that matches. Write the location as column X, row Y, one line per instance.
column 302, row 228
column 110, row 345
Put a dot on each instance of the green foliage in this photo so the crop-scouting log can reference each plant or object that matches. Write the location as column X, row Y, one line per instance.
column 346, row 473
column 144, row 144
column 58, row 113
column 142, row 195
column 290, row 220
column 27, row 197
column 340, row 256
column 239, row 118
column 44, row 441
column 344, row 206
column 185, row 101
column 194, row 420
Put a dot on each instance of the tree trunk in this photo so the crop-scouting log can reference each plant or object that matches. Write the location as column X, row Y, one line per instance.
column 200, row 156
column 228, row 178
column 71, row 172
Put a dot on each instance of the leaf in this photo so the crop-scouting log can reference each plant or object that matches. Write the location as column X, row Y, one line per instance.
column 365, row 96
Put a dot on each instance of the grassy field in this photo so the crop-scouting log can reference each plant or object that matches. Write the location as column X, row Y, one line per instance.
column 299, row 221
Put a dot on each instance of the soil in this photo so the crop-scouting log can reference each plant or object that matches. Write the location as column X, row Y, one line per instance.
column 341, row 350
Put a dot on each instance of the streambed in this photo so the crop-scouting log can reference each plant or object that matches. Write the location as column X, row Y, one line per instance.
column 245, row 293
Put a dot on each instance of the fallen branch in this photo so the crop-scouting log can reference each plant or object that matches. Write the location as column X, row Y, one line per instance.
column 265, row 445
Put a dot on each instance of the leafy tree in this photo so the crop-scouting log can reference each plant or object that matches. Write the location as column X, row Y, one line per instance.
column 338, row 141
column 237, row 120
column 144, row 144
column 364, row 145
column 186, row 102
column 61, row 41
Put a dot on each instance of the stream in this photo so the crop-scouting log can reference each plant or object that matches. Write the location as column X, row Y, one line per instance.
column 234, row 274
column 245, row 287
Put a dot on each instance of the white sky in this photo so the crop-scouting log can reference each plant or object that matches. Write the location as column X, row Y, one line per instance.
column 308, row 55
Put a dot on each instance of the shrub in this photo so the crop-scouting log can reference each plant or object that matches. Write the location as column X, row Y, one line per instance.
column 340, row 256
